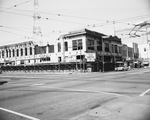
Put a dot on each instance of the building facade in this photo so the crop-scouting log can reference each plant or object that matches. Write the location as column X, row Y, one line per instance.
column 84, row 49
column 16, row 54
column 144, row 52
column 96, row 50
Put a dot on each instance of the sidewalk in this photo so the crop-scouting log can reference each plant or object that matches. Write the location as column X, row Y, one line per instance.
column 130, row 108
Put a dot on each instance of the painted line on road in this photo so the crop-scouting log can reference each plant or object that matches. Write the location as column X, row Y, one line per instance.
column 144, row 92
column 19, row 114
column 84, row 90
column 38, row 84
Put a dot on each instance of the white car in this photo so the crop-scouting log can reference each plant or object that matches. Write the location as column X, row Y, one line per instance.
column 120, row 66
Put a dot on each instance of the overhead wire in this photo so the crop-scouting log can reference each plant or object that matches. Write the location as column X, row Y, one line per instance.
column 88, row 18
column 133, row 18
column 15, row 5
column 107, row 22
column 63, row 15
column 15, row 28
column 10, row 32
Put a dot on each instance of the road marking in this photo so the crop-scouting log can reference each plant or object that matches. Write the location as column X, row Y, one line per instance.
column 39, row 84
column 83, row 90
column 19, row 114
column 144, row 92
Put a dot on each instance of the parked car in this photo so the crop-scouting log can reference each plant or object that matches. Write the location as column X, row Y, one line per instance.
column 145, row 63
column 121, row 66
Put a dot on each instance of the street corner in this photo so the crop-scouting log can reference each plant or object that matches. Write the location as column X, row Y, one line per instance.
column 121, row 113
column 100, row 114
column 134, row 108
column 96, row 114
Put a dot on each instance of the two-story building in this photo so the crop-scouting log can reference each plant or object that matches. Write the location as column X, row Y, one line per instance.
column 88, row 48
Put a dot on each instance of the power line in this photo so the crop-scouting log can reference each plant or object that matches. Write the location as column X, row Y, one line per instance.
column 71, row 16
column 92, row 25
column 45, row 18
column 88, row 18
column 133, row 18
column 62, row 20
column 11, row 32
column 63, row 15
column 15, row 28
column 108, row 22
column 18, row 14
column 16, row 5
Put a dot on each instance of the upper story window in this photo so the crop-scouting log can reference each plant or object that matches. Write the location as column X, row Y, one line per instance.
column 30, row 50
column 2, row 54
column 112, row 48
column 99, row 45
column 13, row 53
column 21, row 52
column 50, row 48
column 26, row 52
column 90, row 44
column 9, row 53
column 116, row 48
column 17, row 52
column 77, row 44
column 66, row 46
column 6, row 53
column 59, row 47
column 120, row 50
column 107, row 47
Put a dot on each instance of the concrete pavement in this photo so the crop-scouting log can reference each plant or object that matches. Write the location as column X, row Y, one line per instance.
column 129, row 108
column 105, row 96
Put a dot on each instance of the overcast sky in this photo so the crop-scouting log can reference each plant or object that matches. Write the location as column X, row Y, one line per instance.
column 61, row 16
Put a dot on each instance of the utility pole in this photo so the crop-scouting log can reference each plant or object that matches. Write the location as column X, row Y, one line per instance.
column 37, row 33
column 36, row 27
column 147, row 44
column 147, row 35
column 114, row 28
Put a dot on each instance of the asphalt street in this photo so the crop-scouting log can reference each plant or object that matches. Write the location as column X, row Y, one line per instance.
column 121, row 95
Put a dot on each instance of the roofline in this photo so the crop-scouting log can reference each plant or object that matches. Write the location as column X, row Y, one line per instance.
column 83, row 31
column 16, row 44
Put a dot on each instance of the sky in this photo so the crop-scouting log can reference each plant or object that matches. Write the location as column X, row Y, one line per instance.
column 110, row 17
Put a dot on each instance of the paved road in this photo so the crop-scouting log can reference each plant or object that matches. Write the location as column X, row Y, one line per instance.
column 82, row 96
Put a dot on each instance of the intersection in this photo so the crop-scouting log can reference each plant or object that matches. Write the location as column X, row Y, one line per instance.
column 79, row 96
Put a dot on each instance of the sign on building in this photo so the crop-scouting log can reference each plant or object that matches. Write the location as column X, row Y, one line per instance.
column 90, row 57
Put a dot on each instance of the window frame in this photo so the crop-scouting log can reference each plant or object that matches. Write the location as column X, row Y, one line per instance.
column 77, row 44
